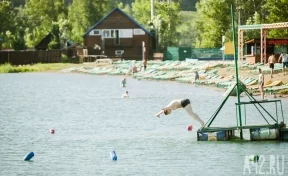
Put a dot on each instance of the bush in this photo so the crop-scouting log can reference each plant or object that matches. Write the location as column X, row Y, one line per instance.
column 64, row 58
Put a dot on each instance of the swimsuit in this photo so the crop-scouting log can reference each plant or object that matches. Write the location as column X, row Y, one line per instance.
column 185, row 102
column 271, row 65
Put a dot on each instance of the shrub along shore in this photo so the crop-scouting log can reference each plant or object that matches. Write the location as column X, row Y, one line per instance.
column 8, row 68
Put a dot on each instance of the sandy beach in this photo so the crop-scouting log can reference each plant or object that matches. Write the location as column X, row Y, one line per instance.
column 217, row 75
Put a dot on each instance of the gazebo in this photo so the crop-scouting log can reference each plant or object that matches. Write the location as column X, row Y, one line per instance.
column 263, row 42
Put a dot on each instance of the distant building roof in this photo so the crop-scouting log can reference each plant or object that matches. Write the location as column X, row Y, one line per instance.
column 115, row 9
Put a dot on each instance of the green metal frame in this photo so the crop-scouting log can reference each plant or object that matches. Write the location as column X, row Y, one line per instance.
column 252, row 101
column 212, row 118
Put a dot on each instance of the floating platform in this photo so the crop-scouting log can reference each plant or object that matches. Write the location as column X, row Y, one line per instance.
column 255, row 132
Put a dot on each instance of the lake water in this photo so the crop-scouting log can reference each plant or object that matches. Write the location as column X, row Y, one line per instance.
column 90, row 120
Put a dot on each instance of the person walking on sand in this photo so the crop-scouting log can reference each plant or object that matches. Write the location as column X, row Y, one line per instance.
column 196, row 76
column 284, row 58
column 271, row 61
column 125, row 95
column 180, row 103
column 124, row 82
column 261, row 83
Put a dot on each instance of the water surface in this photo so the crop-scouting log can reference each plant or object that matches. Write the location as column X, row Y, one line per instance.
column 90, row 119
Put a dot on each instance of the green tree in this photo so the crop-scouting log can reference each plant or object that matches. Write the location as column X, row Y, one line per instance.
column 126, row 8
column 276, row 11
column 246, row 9
column 6, row 16
column 255, row 19
column 40, row 15
column 83, row 14
column 19, row 42
column 165, row 22
column 213, row 21
column 188, row 33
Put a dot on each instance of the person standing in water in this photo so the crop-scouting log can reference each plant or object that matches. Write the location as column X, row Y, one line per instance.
column 178, row 104
column 125, row 95
column 124, row 82
column 261, row 83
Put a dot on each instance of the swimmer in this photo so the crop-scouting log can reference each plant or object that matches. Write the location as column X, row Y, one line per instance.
column 125, row 95
column 124, row 82
column 177, row 104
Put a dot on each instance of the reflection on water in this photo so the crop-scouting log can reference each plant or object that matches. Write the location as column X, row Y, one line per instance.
column 91, row 119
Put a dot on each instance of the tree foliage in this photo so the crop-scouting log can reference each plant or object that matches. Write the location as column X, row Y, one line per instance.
column 6, row 17
column 276, row 11
column 40, row 16
column 165, row 21
column 69, row 20
column 85, row 13
column 213, row 21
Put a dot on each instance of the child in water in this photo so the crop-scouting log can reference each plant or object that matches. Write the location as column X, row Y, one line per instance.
column 125, row 95
column 123, row 82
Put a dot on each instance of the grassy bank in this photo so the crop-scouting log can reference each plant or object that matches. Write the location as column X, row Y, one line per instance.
column 8, row 68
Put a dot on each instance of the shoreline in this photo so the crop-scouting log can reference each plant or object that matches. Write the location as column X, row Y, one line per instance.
column 223, row 69
column 104, row 70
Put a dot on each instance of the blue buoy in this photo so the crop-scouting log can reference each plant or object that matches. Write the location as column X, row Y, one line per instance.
column 28, row 156
column 113, row 155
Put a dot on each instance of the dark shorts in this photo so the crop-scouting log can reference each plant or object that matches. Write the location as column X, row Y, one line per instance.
column 285, row 64
column 271, row 66
column 145, row 67
column 185, row 102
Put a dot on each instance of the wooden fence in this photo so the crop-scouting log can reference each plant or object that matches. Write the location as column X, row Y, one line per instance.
column 31, row 57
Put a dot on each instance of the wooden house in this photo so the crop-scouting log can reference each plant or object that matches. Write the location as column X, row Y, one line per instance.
column 119, row 35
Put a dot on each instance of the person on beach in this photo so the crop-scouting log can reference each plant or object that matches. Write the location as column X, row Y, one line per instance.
column 123, row 82
column 180, row 103
column 261, row 83
column 196, row 76
column 125, row 95
column 134, row 69
column 284, row 58
column 145, row 64
column 271, row 61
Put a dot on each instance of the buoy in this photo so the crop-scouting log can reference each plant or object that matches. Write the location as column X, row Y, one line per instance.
column 189, row 128
column 113, row 155
column 254, row 158
column 28, row 156
column 52, row 131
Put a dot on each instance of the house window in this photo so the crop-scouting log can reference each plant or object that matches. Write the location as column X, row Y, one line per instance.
column 138, row 32
column 112, row 33
column 96, row 32
column 126, row 33
column 117, row 38
column 106, row 33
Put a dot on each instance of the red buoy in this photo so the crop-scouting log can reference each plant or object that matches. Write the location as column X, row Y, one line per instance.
column 189, row 128
column 52, row 131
